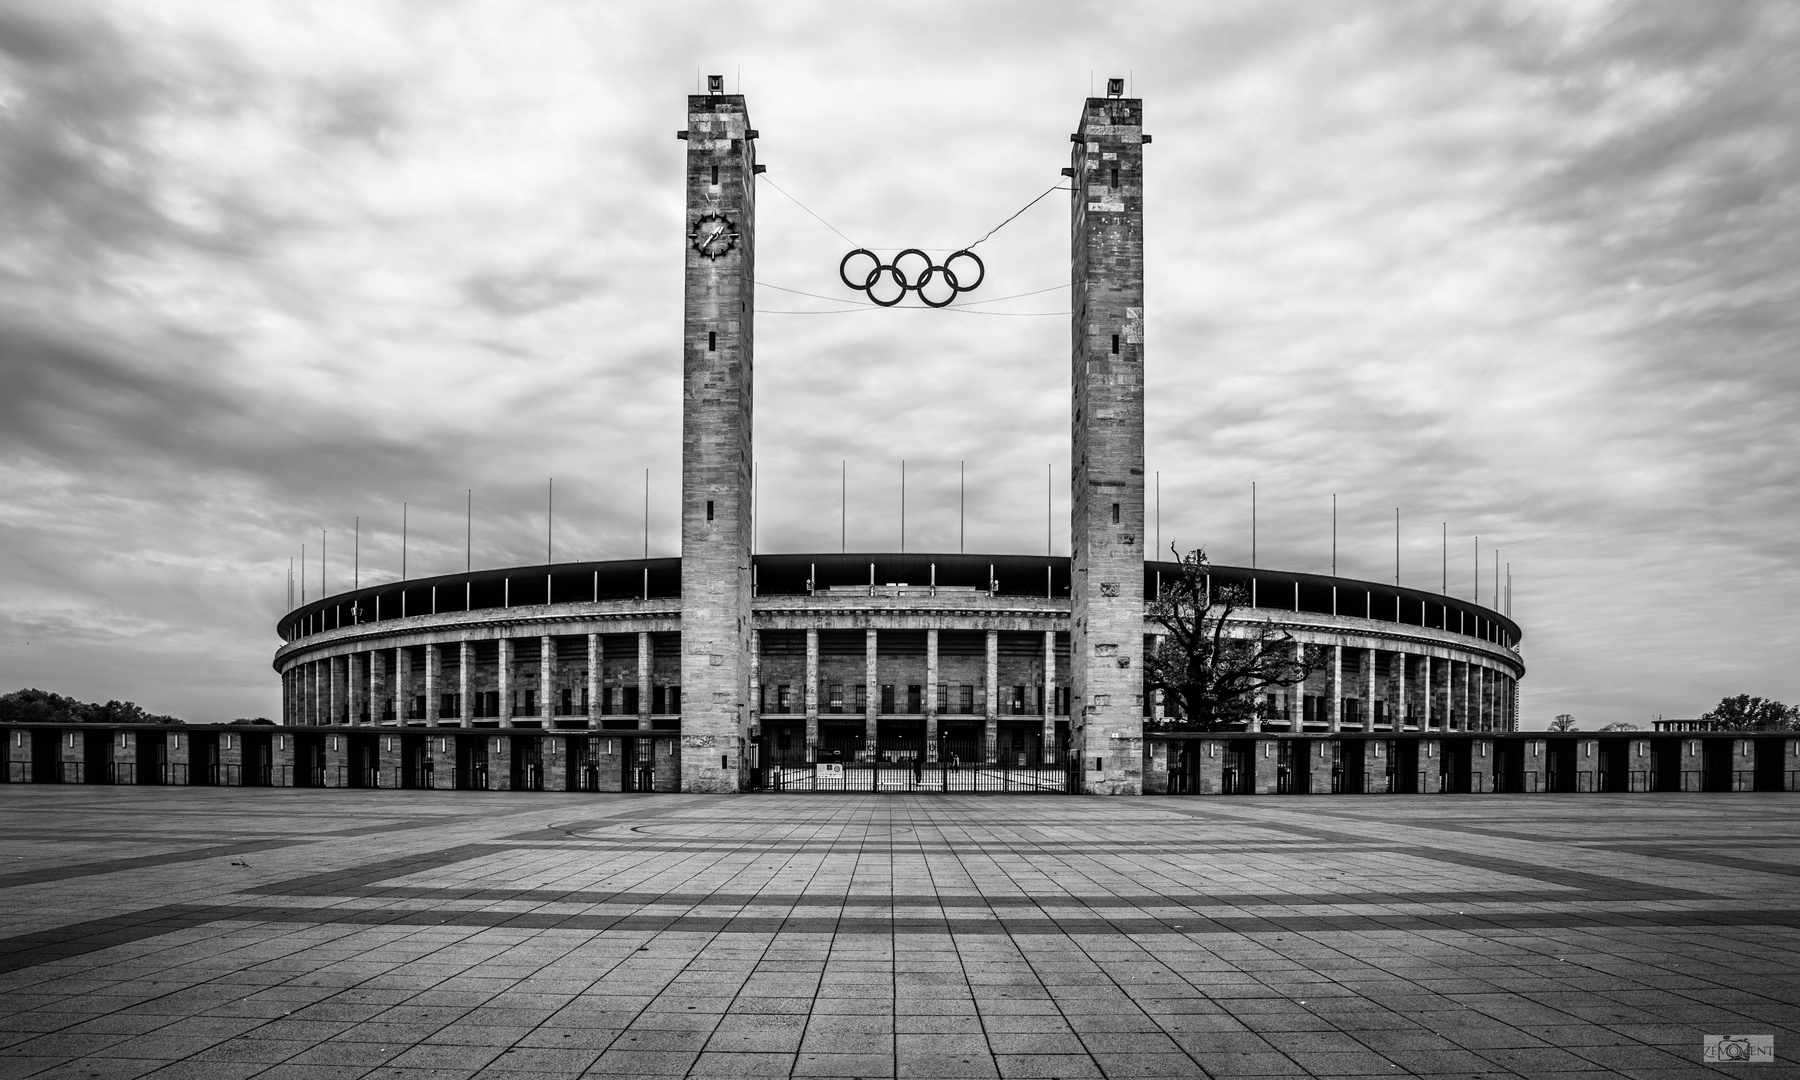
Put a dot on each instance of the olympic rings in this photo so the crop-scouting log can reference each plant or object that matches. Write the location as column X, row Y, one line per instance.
column 906, row 282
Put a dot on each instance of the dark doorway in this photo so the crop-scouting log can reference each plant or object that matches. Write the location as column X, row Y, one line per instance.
column 203, row 758
column 1665, row 764
column 638, row 758
column 96, row 757
column 258, row 760
column 1290, row 765
column 415, row 761
column 309, row 760
column 527, row 763
column 1455, row 766
column 471, row 762
column 1717, row 755
column 1559, row 764
column 1771, row 766
column 1405, row 765
column 46, row 757
column 1239, row 768
column 364, row 754
column 1615, row 765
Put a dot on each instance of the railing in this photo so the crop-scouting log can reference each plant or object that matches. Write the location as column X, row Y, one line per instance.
column 934, row 777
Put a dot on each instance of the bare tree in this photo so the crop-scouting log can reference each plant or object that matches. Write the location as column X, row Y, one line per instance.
column 1211, row 668
column 1563, row 722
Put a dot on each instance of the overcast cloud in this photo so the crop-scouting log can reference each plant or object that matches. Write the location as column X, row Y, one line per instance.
column 1526, row 269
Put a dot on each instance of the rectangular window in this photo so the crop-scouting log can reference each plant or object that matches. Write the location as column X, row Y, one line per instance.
column 887, row 697
column 914, row 700
column 1018, row 701
column 783, row 698
column 606, row 701
column 862, row 697
column 712, row 341
column 568, row 702
column 715, row 174
column 1115, row 344
column 968, row 700
column 657, row 700
column 709, row 503
column 1115, row 513
column 1115, row 178
column 943, row 697
column 835, row 695
column 629, row 706
column 674, row 701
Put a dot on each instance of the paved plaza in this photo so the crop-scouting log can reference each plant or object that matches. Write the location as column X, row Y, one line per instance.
column 200, row 933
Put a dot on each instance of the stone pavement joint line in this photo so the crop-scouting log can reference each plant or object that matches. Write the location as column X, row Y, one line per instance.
column 193, row 932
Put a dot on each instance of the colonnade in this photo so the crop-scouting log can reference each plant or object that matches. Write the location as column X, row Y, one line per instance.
column 377, row 686
column 806, row 703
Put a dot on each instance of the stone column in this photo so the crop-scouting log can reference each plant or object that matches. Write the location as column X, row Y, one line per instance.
column 596, row 664
column 1430, row 782
column 333, row 666
column 434, row 678
column 556, row 762
column 812, row 695
column 465, row 660
column 871, row 680
column 1468, row 675
column 1049, row 754
column 1368, row 717
column 547, row 680
column 1425, row 693
column 991, row 737
column 1337, row 688
column 1265, row 774
column 403, row 692
column 644, row 681
column 378, row 684
column 1401, row 709
column 931, row 695
column 443, row 758
column 505, row 677
column 353, row 688
column 755, row 697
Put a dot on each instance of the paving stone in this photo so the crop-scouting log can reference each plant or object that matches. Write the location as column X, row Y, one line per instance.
column 891, row 936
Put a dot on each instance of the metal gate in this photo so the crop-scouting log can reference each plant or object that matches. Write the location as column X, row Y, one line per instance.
column 996, row 778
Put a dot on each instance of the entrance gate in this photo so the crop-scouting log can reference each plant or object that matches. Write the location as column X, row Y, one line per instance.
column 986, row 779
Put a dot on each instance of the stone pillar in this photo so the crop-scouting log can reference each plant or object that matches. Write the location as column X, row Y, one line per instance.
column 991, row 711
column 1430, row 778
column 379, row 690
column 443, row 758
column 1400, row 707
column 1374, row 766
column 500, row 758
column 281, row 760
column 390, row 762
column 872, row 682
column 547, row 680
column 434, row 678
column 505, row 679
column 125, row 757
column 931, row 695
column 1790, row 765
column 646, row 685
column 718, row 358
column 1428, row 703
column 1106, row 455
column 556, row 763
column 334, row 701
column 755, row 700
column 1693, row 765
column 353, row 688
column 1468, row 676
column 465, row 663
column 1336, row 676
column 812, row 695
column 1587, row 764
column 1368, row 717
column 337, row 760
column 1481, row 766
column 1049, row 718
column 1264, row 766
column 403, row 692
column 1637, row 758
column 596, row 664
column 1211, row 773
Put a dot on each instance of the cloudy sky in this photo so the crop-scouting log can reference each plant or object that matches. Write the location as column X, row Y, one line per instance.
column 1527, row 272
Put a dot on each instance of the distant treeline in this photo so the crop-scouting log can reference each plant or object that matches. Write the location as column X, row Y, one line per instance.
column 43, row 707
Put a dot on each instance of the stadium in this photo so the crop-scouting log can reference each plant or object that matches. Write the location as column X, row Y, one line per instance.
column 723, row 669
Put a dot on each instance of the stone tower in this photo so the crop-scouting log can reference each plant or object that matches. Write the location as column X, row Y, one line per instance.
column 1107, row 466
column 715, row 440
